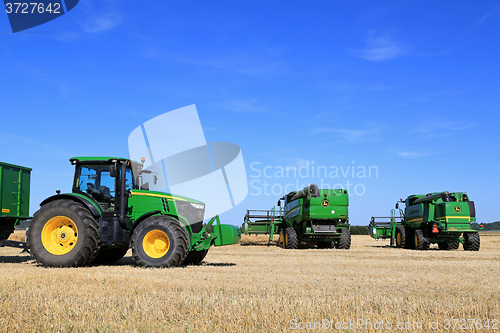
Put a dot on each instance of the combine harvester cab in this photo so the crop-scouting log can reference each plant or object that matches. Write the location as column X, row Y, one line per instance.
column 311, row 215
column 111, row 210
column 443, row 218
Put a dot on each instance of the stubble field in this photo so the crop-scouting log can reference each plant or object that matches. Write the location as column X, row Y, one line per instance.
column 255, row 288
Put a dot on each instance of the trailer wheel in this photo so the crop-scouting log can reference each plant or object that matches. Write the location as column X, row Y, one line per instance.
column 291, row 240
column 159, row 241
column 421, row 242
column 109, row 255
column 63, row 233
column 400, row 236
column 195, row 257
column 471, row 241
column 344, row 240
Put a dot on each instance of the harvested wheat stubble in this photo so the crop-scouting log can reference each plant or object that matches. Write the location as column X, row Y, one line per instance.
column 255, row 288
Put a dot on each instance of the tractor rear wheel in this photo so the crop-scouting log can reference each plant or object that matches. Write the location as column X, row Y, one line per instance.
column 291, row 239
column 159, row 241
column 109, row 255
column 63, row 233
column 344, row 240
column 400, row 236
column 195, row 257
column 471, row 241
column 421, row 242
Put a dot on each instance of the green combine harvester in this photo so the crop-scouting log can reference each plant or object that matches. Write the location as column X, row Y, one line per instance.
column 310, row 216
column 110, row 210
column 443, row 218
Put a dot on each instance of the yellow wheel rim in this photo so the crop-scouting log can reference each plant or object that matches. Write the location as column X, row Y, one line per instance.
column 59, row 235
column 398, row 239
column 156, row 243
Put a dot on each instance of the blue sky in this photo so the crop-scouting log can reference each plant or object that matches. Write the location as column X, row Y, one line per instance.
column 411, row 88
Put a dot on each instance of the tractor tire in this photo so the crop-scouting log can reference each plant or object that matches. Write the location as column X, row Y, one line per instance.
column 159, row 241
column 109, row 255
column 448, row 246
column 344, row 240
column 195, row 257
column 421, row 242
column 291, row 239
column 471, row 241
column 63, row 233
column 410, row 238
column 401, row 236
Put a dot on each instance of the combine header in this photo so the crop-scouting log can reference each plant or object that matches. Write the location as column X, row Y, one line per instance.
column 310, row 216
column 443, row 218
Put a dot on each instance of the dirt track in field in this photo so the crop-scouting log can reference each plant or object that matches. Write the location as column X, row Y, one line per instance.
column 256, row 288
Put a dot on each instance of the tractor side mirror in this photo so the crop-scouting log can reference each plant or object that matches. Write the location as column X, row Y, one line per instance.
column 155, row 179
column 112, row 171
column 397, row 205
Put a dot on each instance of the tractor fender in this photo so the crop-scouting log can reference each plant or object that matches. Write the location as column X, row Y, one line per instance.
column 87, row 203
column 141, row 218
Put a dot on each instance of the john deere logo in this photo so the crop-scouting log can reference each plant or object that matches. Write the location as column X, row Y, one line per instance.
column 458, row 209
column 325, row 203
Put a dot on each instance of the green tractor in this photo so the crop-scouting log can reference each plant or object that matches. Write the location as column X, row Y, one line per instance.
column 311, row 216
column 111, row 210
column 443, row 218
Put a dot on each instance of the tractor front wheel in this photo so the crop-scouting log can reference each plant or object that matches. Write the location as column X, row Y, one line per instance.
column 421, row 242
column 63, row 233
column 471, row 241
column 160, row 241
column 344, row 240
column 195, row 257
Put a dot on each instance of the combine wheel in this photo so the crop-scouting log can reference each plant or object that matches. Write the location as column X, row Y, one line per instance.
column 344, row 240
column 63, row 233
column 110, row 255
column 400, row 236
column 160, row 241
column 421, row 242
column 410, row 238
column 195, row 257
column 448, row 245
column 471, row 241
column 291, row 240
column 281, row 241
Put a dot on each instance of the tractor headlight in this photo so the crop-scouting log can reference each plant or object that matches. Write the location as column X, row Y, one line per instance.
column 197, row 206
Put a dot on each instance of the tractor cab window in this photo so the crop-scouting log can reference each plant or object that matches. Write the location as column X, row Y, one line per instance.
column 96, row 181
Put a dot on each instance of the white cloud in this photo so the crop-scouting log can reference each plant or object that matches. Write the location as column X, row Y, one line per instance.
column 407, row 154
column 353, row 135
column 440, row 129
column 102, row 23
column 380, row 48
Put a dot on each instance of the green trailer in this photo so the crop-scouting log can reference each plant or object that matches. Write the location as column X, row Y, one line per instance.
column 312, row 215
column 14, row 200
column 442, row 218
